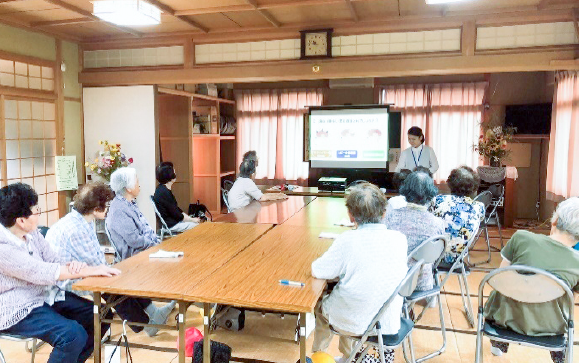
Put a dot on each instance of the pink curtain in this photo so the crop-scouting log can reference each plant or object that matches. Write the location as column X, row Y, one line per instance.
column 271, row 122
column 449, row 114
column 413, row 101
column 563, row 163
column 454, row 120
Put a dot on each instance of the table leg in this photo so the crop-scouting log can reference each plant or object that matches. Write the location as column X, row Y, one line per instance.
column 97, row 327
column 181, row 323
column 303, row 338
column 206, row 333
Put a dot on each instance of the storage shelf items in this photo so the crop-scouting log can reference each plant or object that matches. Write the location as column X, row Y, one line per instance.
column 204, row 159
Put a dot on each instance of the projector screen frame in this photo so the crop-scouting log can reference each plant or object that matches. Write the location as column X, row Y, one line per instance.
column 307, row 115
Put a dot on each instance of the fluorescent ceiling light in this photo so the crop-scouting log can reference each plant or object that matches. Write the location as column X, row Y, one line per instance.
column 433, row 2
column 127, row 12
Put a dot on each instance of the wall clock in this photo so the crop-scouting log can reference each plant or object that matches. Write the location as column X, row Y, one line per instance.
column 316, row 43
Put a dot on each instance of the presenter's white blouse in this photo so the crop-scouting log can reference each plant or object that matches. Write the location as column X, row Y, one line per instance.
column 414, row 156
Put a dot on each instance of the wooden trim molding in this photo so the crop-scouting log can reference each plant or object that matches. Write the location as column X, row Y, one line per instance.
column 73, row 99
column 4, row 170
column 27, row 93
column 26, row 59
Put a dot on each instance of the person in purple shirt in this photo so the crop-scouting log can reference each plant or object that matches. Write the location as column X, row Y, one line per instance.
column 27, row 267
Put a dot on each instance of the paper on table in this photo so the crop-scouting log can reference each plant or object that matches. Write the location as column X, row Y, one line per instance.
column 345, row 222
column 328, row 235
column 166, row 254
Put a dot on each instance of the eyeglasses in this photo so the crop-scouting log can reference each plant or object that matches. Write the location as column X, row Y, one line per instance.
column 37, row 210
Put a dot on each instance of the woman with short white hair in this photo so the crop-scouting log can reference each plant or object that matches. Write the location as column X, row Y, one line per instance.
column 553, row 253
column 130, row 231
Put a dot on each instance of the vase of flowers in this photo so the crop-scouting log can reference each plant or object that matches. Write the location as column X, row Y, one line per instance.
column 107, row 161
column 493, row 144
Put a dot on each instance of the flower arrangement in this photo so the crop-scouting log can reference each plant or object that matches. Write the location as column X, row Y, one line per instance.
column 108, row 160
column 493, row 144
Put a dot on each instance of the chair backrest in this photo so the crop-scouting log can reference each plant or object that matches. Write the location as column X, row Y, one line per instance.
column 158, row 214
column 227, row 185
column 225, row 195
column 405, row 288
column 431, row 250
column 527, row 285
column 497, row 190
column 459, row 262
column 117, row 254
column 485, row 198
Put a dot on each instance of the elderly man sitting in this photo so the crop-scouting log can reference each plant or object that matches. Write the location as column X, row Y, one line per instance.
column 553, row 253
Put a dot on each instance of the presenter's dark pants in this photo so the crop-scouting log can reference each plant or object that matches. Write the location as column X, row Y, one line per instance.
column 67, row 326
column 132, row 309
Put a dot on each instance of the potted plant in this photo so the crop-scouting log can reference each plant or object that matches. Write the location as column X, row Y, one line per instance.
column 493, row 144
column 108, row 160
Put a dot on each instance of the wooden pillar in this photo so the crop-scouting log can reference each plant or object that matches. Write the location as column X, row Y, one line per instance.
column 59, row 89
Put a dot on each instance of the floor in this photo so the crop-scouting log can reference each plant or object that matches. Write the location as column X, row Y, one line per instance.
column 269, row 337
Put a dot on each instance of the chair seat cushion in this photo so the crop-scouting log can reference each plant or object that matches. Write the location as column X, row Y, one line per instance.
column 393, row 340
column 550, row 342
column 420, row 295
column 444, row 267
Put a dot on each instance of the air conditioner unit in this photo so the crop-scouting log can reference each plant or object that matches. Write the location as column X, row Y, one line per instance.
column 352, row 83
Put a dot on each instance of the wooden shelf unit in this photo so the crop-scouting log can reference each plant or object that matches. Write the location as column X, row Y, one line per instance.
column 201, row 161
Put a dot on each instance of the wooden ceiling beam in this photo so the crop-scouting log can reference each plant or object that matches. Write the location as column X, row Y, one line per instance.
column 88, row 14
column 21, row 25
column 170, row 11
column 353, row 13
column 249, row 7
column 44, row 24
column 266, row 14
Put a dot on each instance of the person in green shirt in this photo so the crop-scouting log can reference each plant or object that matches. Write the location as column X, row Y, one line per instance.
column 553, row 253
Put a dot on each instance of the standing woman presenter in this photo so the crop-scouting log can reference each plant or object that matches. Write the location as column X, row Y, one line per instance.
column 417, row 154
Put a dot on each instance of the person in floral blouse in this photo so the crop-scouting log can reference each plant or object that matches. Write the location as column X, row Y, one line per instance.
column 461, row 214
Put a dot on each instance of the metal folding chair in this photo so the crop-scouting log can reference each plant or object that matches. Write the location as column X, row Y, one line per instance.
column 373, row 336
column 227, row 185
column 117, row 254
column 18, row 338
column 225, row 195
column 164, row 228
column 461, row 270
column 431, row 251
column 492, row 217
column 486, row 198
column 527, row 285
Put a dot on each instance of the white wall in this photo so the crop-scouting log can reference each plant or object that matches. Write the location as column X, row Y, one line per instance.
column 124, row 115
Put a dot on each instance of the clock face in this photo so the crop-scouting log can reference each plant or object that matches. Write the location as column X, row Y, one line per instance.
column 316, row 44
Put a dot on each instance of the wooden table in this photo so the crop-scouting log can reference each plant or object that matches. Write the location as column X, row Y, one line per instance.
column 272, row 212
column 251, row 279
column 322, row 212
column 207, row 248
column 311, row 191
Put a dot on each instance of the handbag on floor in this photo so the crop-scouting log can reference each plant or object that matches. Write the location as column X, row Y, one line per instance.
column 198, row 210
column 231, row 319
column 220, row 352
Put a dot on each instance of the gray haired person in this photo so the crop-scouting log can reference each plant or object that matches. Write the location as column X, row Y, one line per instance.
column 357, row 258
column 414, row 220
column 553, row 253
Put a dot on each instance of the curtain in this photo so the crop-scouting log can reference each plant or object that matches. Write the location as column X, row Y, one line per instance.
column 271, row 122
column 449, row 114
column 563, row 167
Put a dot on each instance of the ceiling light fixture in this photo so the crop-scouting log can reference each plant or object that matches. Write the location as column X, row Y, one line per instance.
column 127, row 12
column 438, row 2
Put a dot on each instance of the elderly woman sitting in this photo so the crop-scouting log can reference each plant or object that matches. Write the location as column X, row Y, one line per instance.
column 130, row 231
column 414, row 220
column 74, row 238
column 27, row 267
column 244, row 189
column 370, row 262
column 166, row 203
column 461, row 214
column 553, row 253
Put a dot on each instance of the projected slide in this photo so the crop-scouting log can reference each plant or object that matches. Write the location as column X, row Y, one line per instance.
column 350, row 138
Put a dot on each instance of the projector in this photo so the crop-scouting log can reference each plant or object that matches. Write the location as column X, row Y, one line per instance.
column 326, row 184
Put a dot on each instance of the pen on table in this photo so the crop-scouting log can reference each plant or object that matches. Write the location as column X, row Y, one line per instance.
column 292, row 283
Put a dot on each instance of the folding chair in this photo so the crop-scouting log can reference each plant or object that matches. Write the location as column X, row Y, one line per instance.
column 527, row 285
column 373, row 336
column 164, row 227
column 492, row 217
column 461, row 270
column 486, row 198
column 431, row 251
column 225, row 195
column 227, row 185
column 18, row 338
column 117, row 254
